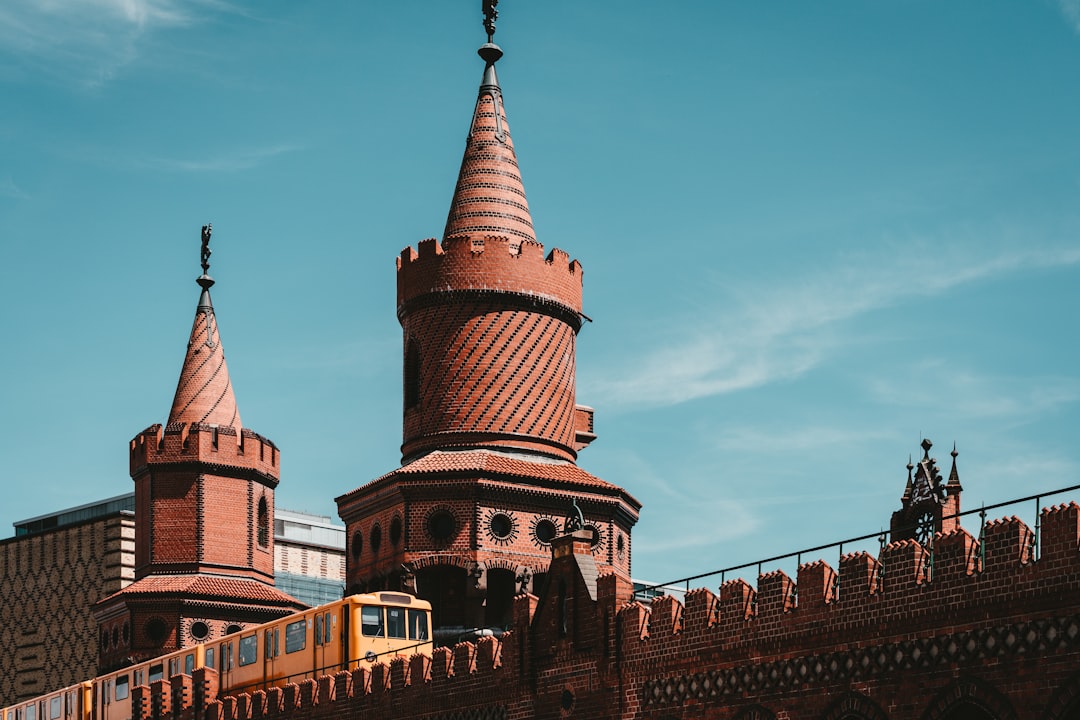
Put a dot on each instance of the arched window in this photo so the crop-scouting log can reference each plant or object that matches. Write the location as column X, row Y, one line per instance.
column 412, row 374
column 264, row 523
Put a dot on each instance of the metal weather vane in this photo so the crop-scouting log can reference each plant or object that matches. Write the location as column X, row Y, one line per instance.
column 490, row 16
column 207, row 231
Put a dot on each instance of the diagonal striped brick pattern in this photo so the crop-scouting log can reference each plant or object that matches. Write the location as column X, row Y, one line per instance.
column 204, row 393
column 490, row 197
column 502, row 376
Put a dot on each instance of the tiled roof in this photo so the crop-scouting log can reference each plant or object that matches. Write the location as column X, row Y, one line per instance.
column 502, row 464
column 204, row 393
column 203, row 587
column 490, row 198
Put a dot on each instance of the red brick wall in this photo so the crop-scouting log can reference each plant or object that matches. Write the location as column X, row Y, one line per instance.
column 202, row 487
column 994, row 632
column 495, row 335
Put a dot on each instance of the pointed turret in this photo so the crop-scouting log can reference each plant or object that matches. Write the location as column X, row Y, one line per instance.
column 204, row 509
column 490, row 198
column 204, row 393
column 491, row 426
column 953, row 486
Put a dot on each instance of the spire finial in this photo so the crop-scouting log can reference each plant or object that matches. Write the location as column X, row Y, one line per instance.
column 490, row 16
column 204, row 280
column 954, row 476
column 489, row 50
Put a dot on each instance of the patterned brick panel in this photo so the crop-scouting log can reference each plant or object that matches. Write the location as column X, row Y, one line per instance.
column 47, row 584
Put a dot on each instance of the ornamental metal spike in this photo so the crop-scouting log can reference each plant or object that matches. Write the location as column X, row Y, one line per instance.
column 490, row 16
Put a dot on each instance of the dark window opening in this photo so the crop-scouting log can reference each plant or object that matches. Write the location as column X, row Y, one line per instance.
column 357, row 545
column 395, row 531
column 441, row 525
column 200, row 630
column 501, row 526
column 156, row 631
column 376, row 538
column 264, row 523
column 545, row 531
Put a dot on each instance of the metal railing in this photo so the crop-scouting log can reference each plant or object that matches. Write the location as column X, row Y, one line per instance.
column 882, row 537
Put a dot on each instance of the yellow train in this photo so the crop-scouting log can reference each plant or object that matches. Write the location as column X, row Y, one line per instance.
column 354, row 632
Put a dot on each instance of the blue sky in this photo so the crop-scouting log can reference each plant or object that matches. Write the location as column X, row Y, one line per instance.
column 812, row 234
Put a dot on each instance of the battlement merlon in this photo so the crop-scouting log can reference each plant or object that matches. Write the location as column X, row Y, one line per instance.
column 489, row 264
column 184, row 444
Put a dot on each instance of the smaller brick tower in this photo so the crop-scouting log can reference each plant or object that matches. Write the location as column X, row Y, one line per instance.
column 204, row 509
column 928, row 506
column 491, row 427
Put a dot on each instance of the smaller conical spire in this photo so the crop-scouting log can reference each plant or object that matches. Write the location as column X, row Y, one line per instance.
column 954, row 476
column 907, row 488
column 489, row 198
column 204, row 393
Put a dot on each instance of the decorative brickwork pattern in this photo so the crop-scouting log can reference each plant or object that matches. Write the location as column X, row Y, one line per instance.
column 491, row 376
column 204, row 393
column 48, row 582
column 490, row 197
column 1002, row 642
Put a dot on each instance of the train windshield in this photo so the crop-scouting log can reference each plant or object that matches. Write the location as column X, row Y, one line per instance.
column 395, row 622
column 418, row 625
column 371, row 621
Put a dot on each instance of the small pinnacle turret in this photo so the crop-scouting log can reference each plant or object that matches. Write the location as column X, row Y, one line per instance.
column 204, row 393
column 953, row 486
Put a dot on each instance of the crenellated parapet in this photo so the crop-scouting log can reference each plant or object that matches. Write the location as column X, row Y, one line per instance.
column 181, row 444
column 910, row 590
column 514, row 268
column 467, row 671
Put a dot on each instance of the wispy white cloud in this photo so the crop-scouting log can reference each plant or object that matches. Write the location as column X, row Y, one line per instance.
column 87, row 41
column 1071, row 10
column 796, row 439
column 670, row 494
column 775, row 333
column 231, row 160
column 970, row 395
column 9, row 189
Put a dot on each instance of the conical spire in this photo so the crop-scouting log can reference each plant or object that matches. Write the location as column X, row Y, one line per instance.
column 204, row 393
column 954, row 476
column 490, row 198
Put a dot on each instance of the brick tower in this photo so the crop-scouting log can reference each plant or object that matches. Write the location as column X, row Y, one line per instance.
column 204, row 509
column 928, row 506
column 491, row 428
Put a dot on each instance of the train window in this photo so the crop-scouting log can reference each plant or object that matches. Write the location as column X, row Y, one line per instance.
column 295, row 636
column 189, row 664
column 31, row 712
column 268, row 648
column 418, row 629
column 249, row 650
column 371, row 623
column 395, row 622
column 209, row 657
column 157, row 672
column 174, row 666
column 277, row 642
column 227, row 659
column 138, row 677
column 318, row 629
column 326, row 627
column 55, row 707
column 122, row 687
